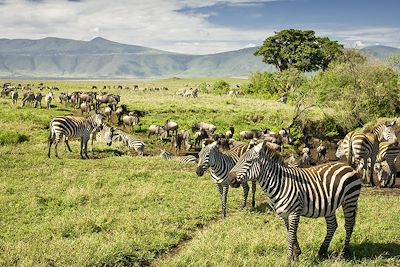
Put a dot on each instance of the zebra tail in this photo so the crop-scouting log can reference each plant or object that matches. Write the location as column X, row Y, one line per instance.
column 350, row 154
column 51, row 136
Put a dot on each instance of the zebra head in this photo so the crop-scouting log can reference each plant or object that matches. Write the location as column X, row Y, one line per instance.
column 108, row 135
column 247, row 167
column 205, row 157
column 388, row 132
column 340, row 152
column 96, row 120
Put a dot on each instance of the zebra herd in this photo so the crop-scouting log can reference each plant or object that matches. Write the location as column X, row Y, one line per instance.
column 310, row 192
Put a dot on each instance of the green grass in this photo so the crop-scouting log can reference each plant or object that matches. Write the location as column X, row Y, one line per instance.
column 135, row 211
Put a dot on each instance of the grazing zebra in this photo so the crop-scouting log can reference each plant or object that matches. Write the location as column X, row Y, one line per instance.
column 104, row 135
column 220, row 163
column 361, row 147
column 129, row 142
column 294, row 192
column 189, row 159
column 74, row 127
column 388, row 152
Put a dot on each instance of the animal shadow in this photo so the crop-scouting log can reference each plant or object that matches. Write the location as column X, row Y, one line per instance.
column 372, row 250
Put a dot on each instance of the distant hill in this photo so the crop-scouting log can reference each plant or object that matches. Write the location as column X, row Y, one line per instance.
column 379, row 52
column 104, row 59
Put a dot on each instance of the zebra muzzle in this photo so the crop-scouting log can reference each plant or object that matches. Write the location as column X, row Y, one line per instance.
column 199, row 171
column 233, row 180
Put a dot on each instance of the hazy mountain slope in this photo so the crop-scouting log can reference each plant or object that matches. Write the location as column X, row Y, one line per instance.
column 100, row 58
column 380, row 52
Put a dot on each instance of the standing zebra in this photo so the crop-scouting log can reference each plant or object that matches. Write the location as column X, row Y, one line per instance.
column 130, row 142
column 294, row 192
column 48, row 98
column 189, row 159
column 74, row 127
column 361, row 147
column 220, row 163
column 388, row 152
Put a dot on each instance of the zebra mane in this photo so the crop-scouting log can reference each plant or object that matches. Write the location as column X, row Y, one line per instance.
column 271, row 153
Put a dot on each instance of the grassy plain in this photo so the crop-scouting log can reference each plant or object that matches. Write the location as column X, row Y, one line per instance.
column 139, row 211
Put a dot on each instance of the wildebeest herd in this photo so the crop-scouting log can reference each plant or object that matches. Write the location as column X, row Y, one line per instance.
column 295, row 187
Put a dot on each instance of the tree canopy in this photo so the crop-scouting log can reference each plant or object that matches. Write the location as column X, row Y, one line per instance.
column 299, row 49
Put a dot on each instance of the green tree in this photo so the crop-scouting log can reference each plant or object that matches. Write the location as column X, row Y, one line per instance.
column 299, row 49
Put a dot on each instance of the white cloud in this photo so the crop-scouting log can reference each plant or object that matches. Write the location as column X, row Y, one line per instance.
column 155, row 23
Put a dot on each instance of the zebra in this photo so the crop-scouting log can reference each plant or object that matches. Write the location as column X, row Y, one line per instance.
column 129, row 141
column 104, row 135
column 14, row 97
column 359, row 147
column 388, row 152
column 74, row 127
column 189, row 159
column 48, row 98
column 311, row 192
column 220, row 163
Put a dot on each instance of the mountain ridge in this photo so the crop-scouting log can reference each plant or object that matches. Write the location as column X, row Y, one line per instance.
column 99, row 58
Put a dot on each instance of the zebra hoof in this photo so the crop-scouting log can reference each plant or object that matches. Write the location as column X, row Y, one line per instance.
column 322, row 255
column 346, row 253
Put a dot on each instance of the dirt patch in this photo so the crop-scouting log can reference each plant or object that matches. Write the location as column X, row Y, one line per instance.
column 369, row 191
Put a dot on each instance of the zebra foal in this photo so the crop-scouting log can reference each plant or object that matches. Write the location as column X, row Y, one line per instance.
column 74, row 127
column 294, row 192
column 130, row 142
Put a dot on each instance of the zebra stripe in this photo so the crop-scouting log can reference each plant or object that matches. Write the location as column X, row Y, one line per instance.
column 361, row 147
column 105, row 135
column 130, row 142
column 388, row 152
column 74, row 127
column 294, row 192
column 189, row 159
column 220, row 163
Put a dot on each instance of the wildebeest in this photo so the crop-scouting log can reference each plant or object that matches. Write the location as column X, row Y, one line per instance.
column 230, row 132
column 210, row 128
column 199, row 136
column 171, row 126
column 155, row 130
column 120, row 111
column 251, row 134
column 38, row 100
column 130, row 120
column 28, row 97
column 85, row 107
column 321, row 152
column 108, row 112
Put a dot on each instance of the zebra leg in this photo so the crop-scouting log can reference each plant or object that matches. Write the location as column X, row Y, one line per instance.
column 331, row 226
column 349, row 209
column 55, row 148
column 245, row 193
column 66, row 144
column 85, row 148
column 371, row 171
column 294, row 249
column 253, row 190
column 81, row 148
column 223, row 192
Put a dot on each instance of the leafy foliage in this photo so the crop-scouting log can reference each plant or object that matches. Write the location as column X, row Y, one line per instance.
column 358, row 92
column 299, row 49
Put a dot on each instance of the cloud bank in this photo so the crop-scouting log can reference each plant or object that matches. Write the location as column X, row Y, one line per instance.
column 158, row 24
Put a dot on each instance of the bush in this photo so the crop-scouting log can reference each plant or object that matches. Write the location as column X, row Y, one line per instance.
column 356, row 92
column 12, row 138
column 221, row 87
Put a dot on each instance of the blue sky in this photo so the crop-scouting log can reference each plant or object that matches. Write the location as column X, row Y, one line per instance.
column 201, row 27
